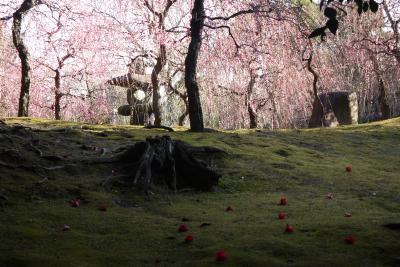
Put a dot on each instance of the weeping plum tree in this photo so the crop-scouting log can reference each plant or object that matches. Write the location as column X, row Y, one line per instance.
column 23, row 54
column 196, row 28
column 161, row 60
column 225, row 82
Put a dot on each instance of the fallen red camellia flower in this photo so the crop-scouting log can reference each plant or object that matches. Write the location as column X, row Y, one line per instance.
column 66, row 227
column 283, row 201
column 229, row 208
column 114, row 172
column 183, row 228
column 221, row 256
column 188, row 239
column 281, row 215
column 289, row 229
column 350, row 240
column 348, row 168
column 75, row 203
column 103, row 207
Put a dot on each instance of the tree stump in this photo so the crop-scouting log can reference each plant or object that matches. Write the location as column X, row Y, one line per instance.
column 161, row 160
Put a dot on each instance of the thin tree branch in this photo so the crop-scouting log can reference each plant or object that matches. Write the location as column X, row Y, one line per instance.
column 239, row 13
column 229, row 31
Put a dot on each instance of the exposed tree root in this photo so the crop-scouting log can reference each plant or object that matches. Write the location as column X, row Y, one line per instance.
column 160, row 160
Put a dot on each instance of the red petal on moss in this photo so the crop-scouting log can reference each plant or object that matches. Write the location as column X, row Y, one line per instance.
column 75, row 203
column 221, row 256
column 289, row 229
column 229, row 208
column 329, row 195
column 350, row 240
column 103, row 207
column 183, row 228
column 281, row 215
column 66, row 227
column 188, row 239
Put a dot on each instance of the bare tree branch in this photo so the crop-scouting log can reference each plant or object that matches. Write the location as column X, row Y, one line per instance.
column 229, row 31
column 239, row 13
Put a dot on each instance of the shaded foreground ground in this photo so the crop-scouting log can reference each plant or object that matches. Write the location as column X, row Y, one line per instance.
column 261, row 167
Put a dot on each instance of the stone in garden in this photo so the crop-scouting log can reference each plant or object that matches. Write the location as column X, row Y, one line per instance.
column 333, row 109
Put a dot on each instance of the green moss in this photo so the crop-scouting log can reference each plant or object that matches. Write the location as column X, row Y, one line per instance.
column 262, row 166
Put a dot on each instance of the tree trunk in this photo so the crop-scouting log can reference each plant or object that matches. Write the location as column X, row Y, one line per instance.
column 275, row 123
column 315, row 94
column 384, row 107
column 182, row 118
column 57, row 96
column 192, row 87
column 161, row 60
column 251, row 110
column 397, row 56
column 252, row 117
column 183, row 96
column 23, row 54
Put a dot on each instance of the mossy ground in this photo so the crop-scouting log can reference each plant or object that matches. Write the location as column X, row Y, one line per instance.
column 262, row 166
